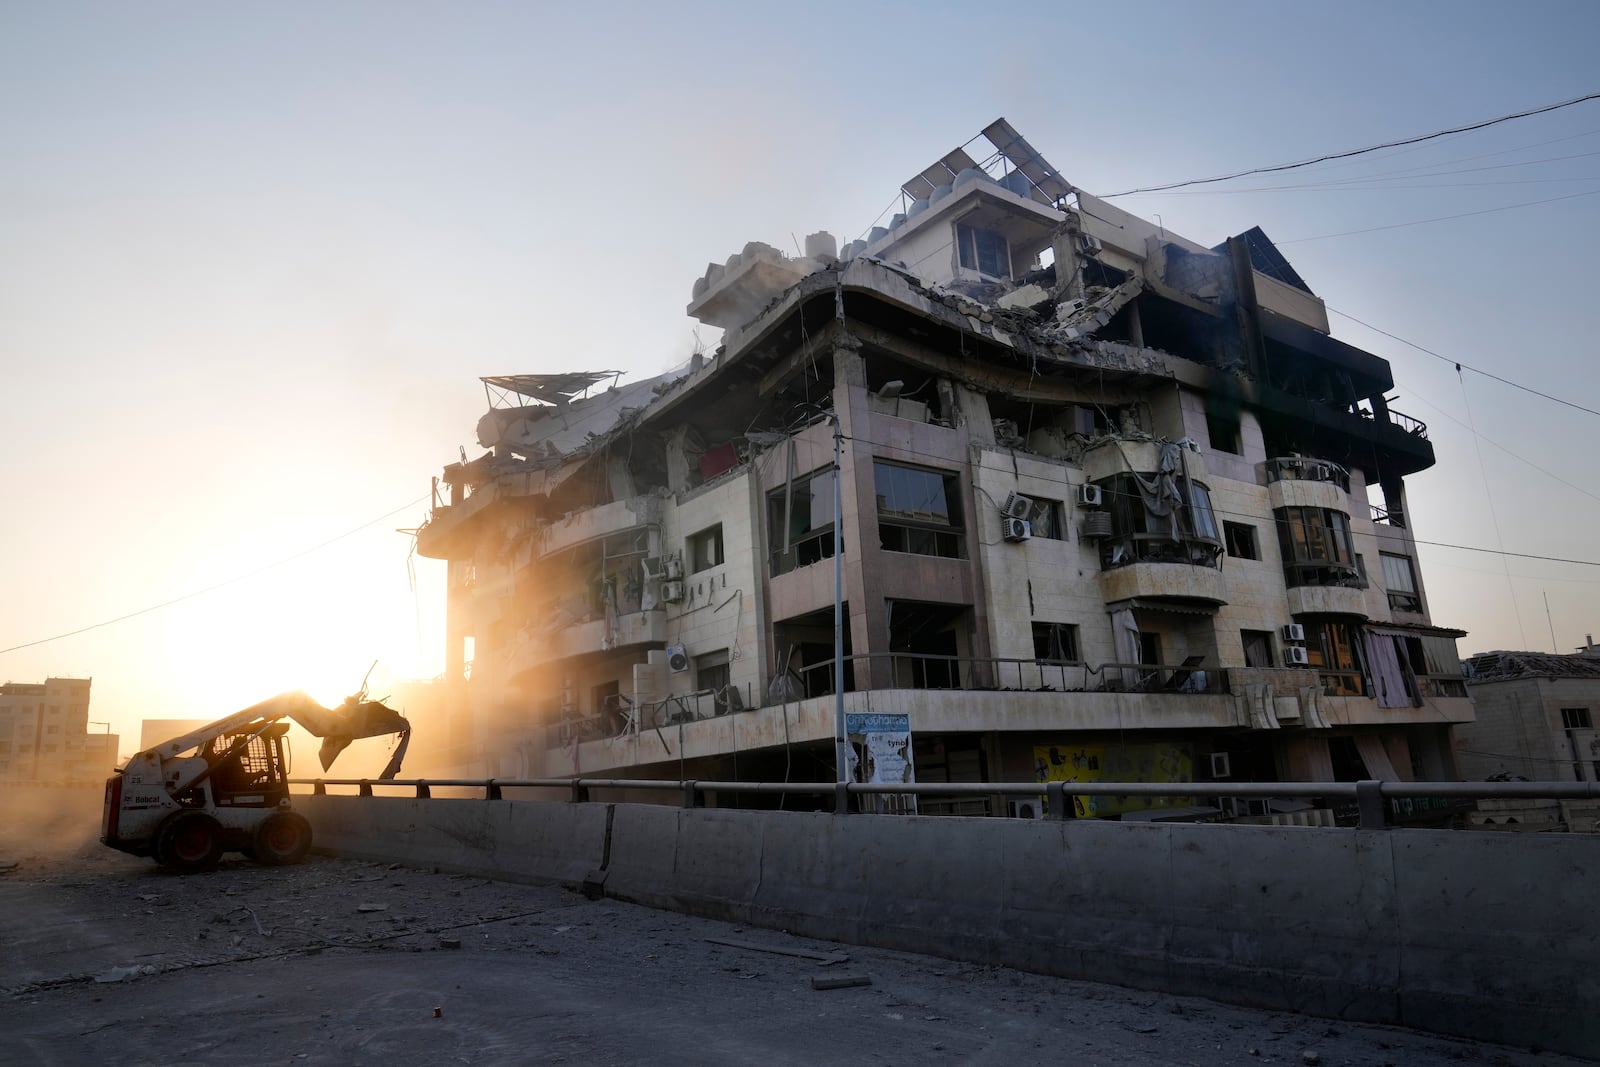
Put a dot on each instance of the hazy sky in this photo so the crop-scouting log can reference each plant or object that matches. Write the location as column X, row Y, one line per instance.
column 253, row 261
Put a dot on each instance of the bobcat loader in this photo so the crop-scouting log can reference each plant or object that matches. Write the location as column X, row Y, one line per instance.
column 224, row 787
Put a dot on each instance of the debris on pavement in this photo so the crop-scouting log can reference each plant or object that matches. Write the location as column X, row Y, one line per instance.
column 849, row 981
column 824, row 958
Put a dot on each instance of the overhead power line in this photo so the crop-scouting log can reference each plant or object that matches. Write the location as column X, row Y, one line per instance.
column 1458, row 364
column 1358, row 151
column 1439, row 218
column 219, row 585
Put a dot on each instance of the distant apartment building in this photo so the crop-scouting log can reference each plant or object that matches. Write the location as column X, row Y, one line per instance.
column 45, row 736
column 1536, row 716
column 1100, row 496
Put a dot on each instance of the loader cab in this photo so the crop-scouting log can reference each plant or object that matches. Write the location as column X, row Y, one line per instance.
column 248, row 770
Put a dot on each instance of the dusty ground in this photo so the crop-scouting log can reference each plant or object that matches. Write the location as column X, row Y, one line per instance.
column 340, row 962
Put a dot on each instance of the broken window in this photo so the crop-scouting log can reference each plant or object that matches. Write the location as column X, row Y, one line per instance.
column 918, row 510
column 1154, row 520
column 1576, row 719
column 713, row 674
column 1224, row 434
column 1316, row 546
column 1055, row 642
column 1401, row 581
column 1045, row 520
column 926, row 642
column 1332, row 649
column 983, row 251
column 1241, row 540
column 800, row 522
column 705, row 549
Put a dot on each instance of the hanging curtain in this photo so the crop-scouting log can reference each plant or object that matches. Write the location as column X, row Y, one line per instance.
column 1387, row 675
column 1125, row 631
column 1376, row 757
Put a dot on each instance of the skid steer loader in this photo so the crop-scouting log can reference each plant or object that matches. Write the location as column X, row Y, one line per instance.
column 224, row 787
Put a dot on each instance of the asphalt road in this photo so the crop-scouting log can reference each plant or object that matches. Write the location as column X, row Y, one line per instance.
column 106, row 959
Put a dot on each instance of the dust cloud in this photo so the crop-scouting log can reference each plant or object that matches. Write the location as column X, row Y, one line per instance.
column 43, row 828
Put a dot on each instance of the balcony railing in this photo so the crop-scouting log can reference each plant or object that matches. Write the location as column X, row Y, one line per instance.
column 911, row 670
column 1304, row 469
column 1415, row 427
column 623, row 716
column 1159, row 548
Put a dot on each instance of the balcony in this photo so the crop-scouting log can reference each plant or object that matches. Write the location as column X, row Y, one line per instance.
column 1327, row 600
column 1414, row 427
column 1306, row 469
column 596, row 635
column 1155, row 578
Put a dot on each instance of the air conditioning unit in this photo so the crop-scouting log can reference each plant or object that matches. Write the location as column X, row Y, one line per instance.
column 1294, row 632
column 1017, row 529
column 1089, row 495
column 675, row 567
column 672, row 592
column 655, row 568
column 1089, row 245
column 1022, row 809
column 1221, row 765
column 1295, row 656
column 1016, row 506
column 1097, row 525
column 677, row 659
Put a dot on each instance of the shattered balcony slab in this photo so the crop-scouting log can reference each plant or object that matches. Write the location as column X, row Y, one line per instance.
column 730, row 294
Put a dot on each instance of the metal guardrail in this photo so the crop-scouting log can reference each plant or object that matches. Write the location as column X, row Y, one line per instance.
column 1370, row 796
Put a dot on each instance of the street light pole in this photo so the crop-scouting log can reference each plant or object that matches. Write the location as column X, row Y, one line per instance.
column 840, row 740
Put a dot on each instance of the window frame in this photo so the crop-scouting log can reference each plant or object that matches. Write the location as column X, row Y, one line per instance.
column 1317, row 553
column 918, row 531
column 1049, row 637
column 710, row 536
column 813, row 543
column 1252, row 540
column 1576, row 719
column 1047, row 519
column 1405, row 596
column 970, row 255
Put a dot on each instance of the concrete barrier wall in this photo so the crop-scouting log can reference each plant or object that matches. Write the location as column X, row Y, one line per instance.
column 1491, row 936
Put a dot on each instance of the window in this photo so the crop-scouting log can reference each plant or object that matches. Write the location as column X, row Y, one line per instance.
column 1575, row 719
column 705, row 549
column 1055, row 642
column 918, row 511
column 1149, row 526
column 1257, row 648
column 1401, row 581
column 983, row 251
column 800, row 522
column 1317, row 549
column 711, row 672
column 52, row 729
column 1332, row 649
column 1224, row 433
column 1045, row 520
column 1241, row 540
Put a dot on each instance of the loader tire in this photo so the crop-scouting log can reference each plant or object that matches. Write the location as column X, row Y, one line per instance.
column 282, row 838
column 189, row 842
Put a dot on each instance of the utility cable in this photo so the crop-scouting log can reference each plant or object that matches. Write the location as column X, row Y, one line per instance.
column 1458, row 364
column 1359, row 151
column 219, row 585
column 1437, row 218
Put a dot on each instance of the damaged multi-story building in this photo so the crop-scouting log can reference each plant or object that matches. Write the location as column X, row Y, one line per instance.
column 1102, row 496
